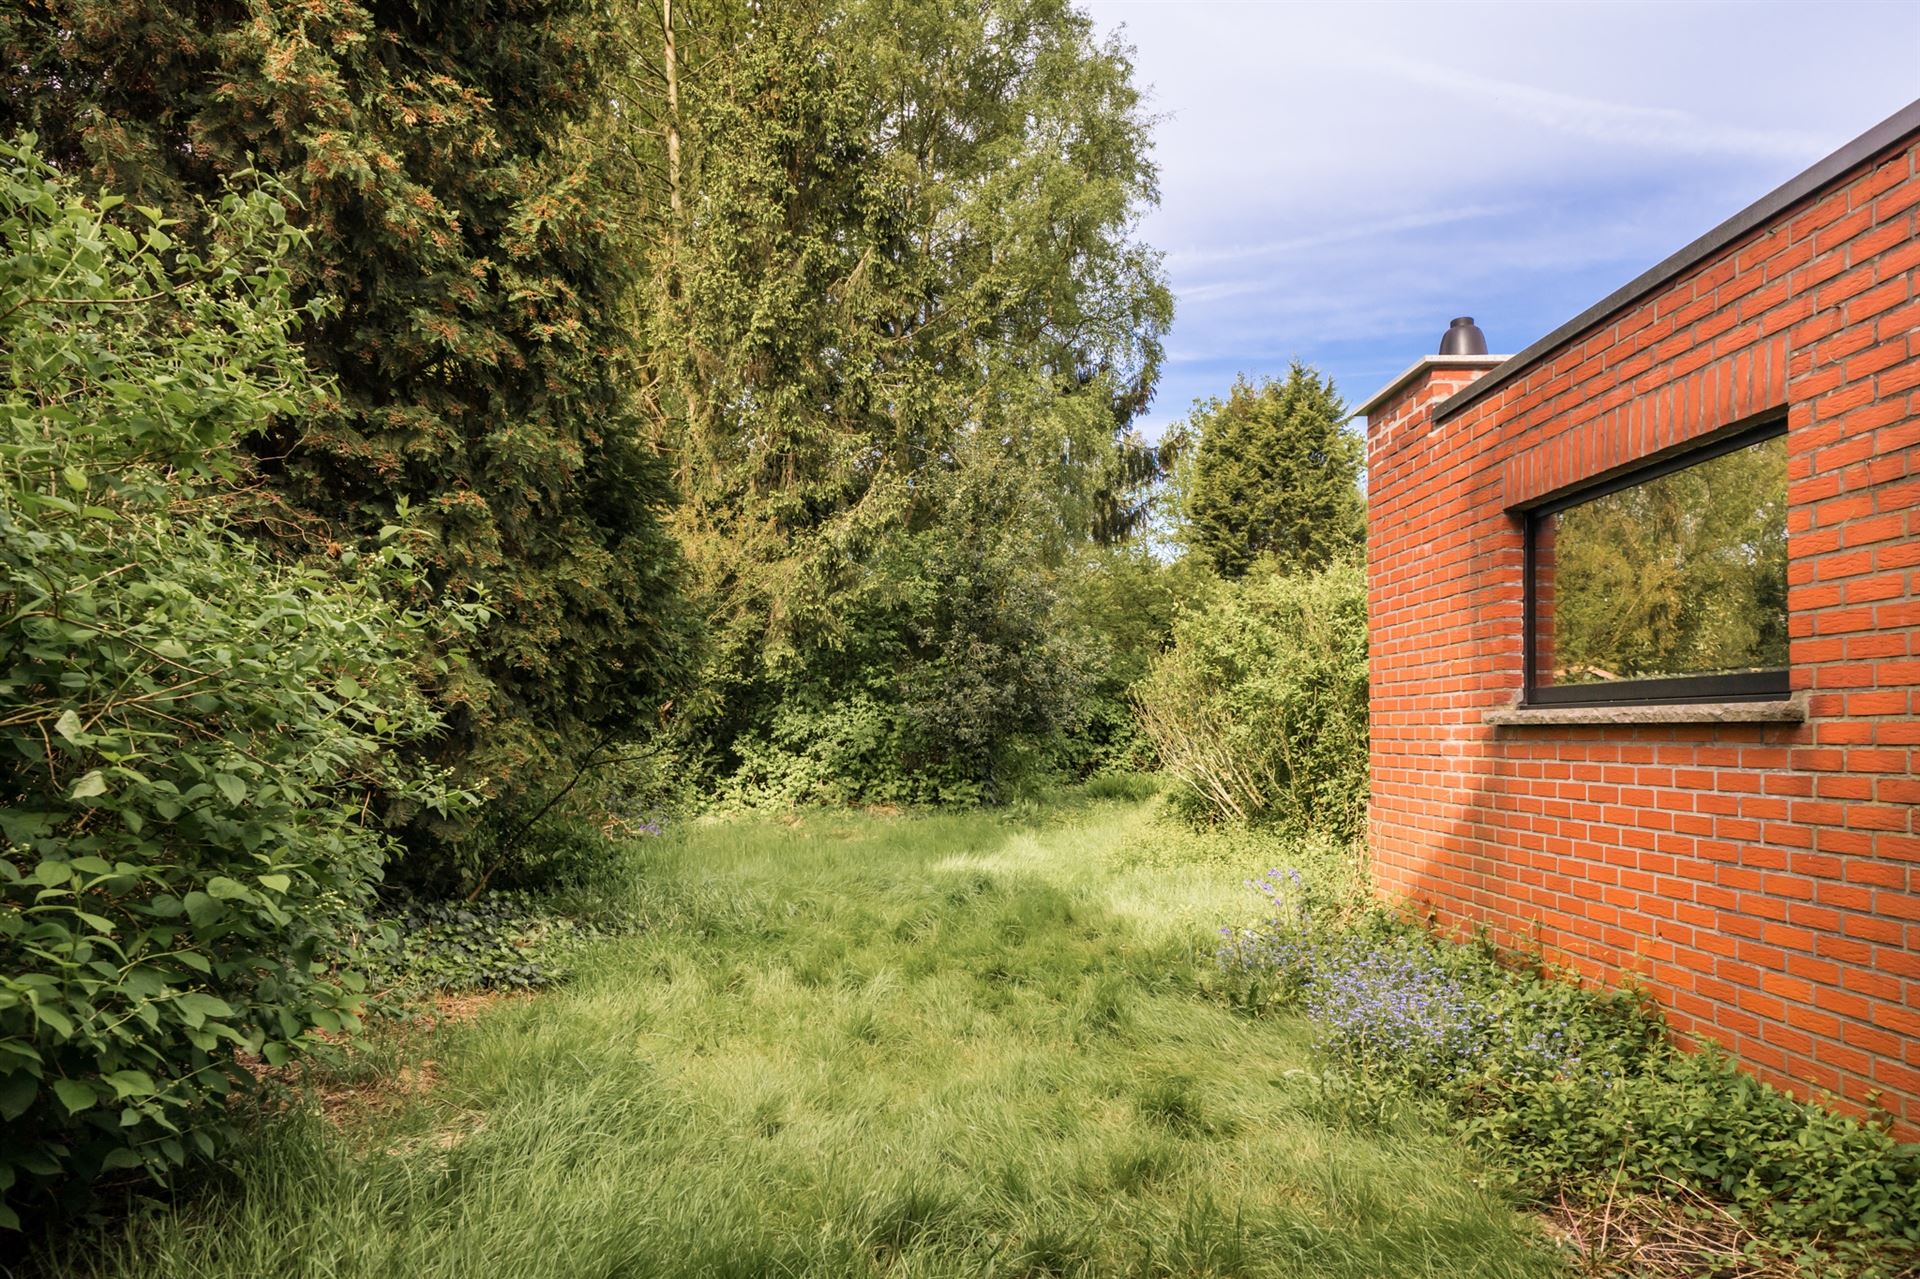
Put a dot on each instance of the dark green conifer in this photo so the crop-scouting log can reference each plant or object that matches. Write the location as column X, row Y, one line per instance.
column 1275, row 472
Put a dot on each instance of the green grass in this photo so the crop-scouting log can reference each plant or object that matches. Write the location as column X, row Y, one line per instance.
column 954, row 1046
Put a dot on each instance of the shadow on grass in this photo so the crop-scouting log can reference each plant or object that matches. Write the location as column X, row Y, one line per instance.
column 939, row 1046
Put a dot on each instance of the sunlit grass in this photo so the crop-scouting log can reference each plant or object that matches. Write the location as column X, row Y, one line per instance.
column 959, row 1045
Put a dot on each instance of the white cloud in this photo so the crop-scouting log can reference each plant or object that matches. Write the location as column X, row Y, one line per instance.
column 1599, row 120
column 1240, row 253
column 1339, row 180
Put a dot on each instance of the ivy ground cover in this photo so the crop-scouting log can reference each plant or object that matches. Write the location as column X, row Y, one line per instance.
column 960, row 1045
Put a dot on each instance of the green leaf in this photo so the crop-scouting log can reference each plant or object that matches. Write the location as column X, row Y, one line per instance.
column 69, row 726
column 94, row 783
column 276, row 883
column 225, row 889
column 17, row 1091
column 230, row 786
column 130, row 1083
column 197, row 1007
column 74, row 1095
column 76, row 478
column 55, row 1018
column 37, row 1162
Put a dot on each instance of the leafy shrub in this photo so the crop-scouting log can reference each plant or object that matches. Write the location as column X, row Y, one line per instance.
column 974, row 706
column 191, row 733
column 549, row 853
column 1130, row 787
column 1259, row 708
column 465, row 178
column 499, row 941
column 843, row 753
column 573, row 838
column 1570, row 1089
column 1123, row 599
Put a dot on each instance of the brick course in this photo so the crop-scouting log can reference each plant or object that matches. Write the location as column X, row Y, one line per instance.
column 1763, row 880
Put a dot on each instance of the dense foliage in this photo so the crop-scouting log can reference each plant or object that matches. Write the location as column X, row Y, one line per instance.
column 192, row 734
column 1259, row 705
column 1571, row 1090
column 1272, row 471
column 730, row 404
column 900, row 326
column 501, row 941
column 479, row 274
column 1124, row 598
column 858, row 281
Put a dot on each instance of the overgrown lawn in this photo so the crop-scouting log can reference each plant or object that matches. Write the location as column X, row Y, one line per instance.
column 956, row 1045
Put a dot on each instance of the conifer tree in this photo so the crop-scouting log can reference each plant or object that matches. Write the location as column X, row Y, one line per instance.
column 1274, row 472
column 479, row 280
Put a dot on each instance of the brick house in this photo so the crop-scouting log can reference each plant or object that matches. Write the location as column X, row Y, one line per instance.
column 1646, row 632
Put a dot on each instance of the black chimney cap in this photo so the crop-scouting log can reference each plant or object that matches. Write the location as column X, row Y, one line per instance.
column 1463, row 337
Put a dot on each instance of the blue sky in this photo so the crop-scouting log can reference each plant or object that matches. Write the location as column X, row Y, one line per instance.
column 1338, row 181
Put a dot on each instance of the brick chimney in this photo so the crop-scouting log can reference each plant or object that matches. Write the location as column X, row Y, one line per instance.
column 1403, row 405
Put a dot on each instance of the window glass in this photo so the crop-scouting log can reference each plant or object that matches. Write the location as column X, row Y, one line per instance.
column 1683, row 574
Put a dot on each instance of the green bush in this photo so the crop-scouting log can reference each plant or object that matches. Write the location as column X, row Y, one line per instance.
column 573, row 839
column 1123, row 599
column 1259, row 708
column 844, row 753
column 469, row 197
column 503, row 941
column 1573, row 1091
column 952, row 676
column 1132, row 788
column 189, row 734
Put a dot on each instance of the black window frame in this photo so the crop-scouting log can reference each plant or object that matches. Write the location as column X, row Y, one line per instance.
column 1746, row 686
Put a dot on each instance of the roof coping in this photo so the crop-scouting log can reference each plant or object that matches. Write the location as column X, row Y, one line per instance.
column 1420, row 366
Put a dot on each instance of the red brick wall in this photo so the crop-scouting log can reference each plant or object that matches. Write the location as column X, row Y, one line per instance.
column 1763, row 880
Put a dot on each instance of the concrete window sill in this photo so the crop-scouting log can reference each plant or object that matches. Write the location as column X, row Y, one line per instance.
column 1790, row 710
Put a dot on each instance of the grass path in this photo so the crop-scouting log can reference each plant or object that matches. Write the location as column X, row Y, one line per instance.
column 954, row 1046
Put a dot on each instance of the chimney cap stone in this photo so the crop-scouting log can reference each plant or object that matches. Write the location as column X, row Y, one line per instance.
column 1425, row 364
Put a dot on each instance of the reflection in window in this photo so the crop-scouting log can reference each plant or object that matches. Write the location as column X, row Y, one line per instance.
column 1681, row 577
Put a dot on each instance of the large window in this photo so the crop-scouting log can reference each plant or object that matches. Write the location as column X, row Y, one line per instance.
column 1668, row 585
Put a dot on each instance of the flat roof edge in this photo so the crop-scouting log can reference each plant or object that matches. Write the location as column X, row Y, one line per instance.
column 1891, row 131
column 1419, row 366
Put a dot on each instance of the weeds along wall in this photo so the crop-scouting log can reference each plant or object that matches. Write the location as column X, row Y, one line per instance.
column 1762, row 879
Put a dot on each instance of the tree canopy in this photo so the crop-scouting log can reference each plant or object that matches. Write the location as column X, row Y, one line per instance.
column 477, row 275
column 901, row 323
column 1273, row 471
